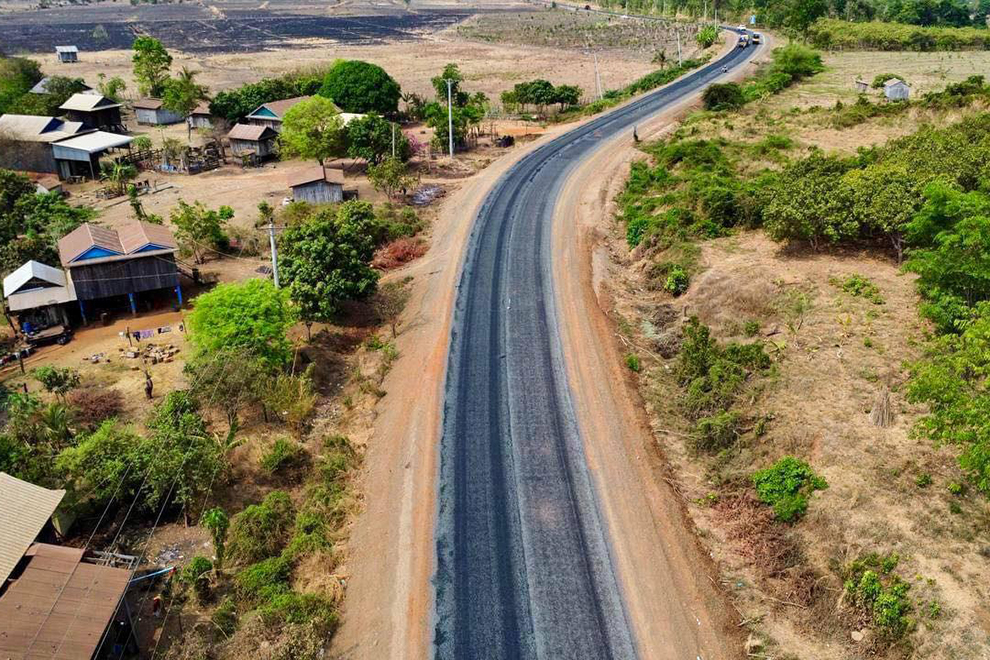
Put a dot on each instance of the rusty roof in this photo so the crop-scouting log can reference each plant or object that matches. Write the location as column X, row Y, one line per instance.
column 59, row 607
column 317, row 173
column 250, row 132
column 122, row 242
column 147, row 104
column 26, row 508
column 202, row 109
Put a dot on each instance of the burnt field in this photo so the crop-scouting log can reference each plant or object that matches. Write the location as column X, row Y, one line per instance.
column 196, row 29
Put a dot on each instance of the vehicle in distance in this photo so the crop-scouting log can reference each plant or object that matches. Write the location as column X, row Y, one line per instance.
column 756, row 38
column 743, row 40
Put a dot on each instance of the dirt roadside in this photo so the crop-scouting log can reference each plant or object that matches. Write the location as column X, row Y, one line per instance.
column 669, row 582
column 387, row 609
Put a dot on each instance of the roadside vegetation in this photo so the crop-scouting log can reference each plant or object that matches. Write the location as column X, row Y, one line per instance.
column 816, row 310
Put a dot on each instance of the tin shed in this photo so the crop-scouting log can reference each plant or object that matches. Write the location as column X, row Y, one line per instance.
column 317, row 185
column 896, row 90
column 246, row 139
column 67, row 54
column 151, row 113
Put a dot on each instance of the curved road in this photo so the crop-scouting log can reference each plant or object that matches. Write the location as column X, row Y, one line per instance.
column 523, row 566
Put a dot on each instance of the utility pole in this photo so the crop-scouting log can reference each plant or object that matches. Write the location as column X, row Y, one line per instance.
column 271, row 239
column 450, row 116
column 393, row 139
column 678, row 46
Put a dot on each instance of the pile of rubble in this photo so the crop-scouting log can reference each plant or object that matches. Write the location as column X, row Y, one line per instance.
column 152, row 353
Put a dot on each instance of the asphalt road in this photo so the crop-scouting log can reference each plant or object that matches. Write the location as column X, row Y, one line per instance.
column 523, row 565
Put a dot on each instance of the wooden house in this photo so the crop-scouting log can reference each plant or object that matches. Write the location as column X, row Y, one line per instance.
column 94, row 111
column 317, row 185
column 248, row 139
column 67, row 54
column 200, row 117
column 896, row 90
column 149, row 112
column 271, row 114
column 26, row 141
column 135, row 258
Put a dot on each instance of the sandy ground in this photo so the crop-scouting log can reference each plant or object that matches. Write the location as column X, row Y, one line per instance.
column 387, row 610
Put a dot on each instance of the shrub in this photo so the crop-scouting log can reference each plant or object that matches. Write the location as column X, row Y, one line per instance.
column 399, row 252
column 284, row 453
column 861, row 287
column 874, row 588
column 295, row 608
column 786, row 486
column 677, row 281
column 717, row 432
column 261, row 530
column 881, row 79
column 224, row 616
column 262, row 581
column 290, row 398
column 632, row 362
column 57, row 380
column 93, row 405
column 723, row 96
column 196, row 574
column 751, row 328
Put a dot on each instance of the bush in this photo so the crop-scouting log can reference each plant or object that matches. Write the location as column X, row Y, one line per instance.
column 196, row 574
column 881, row 79
column 632, row 362
column 57, row 380
column 283, row 454
column 717, row 432
column 861, row 287
column 723, row 96
column 93, row 405
column 261, row 530
column 677, row 281
column 224, row 616
column 836, row 34
column 786, row 486
column 874, row 588
column 399, row 252
column 262, row 581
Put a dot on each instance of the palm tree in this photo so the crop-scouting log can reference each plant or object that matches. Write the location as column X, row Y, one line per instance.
column 118, row 174
column 183, row 94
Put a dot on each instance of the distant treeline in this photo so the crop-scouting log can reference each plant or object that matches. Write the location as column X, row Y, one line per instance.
column 801, row 14
column 834, row 34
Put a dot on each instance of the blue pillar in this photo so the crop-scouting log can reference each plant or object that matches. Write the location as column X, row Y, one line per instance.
column 178, row 292
column 82, row 310
column 130, row 296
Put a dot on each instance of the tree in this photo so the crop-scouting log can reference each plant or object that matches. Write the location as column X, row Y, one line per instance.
column 453, row 73
column 567, row 95
column 151, row 64
column 182, row 94
column 253, row 315
column 118, row 174
column 215, row 520
column 314, row 129
column 228, row 379
column 885, row 196
column 390, row 177
column 58, row 89
column 371, row 138
column 707, row 36
column 389, row 302
column 112, row 88
column 100, row 463
column 57, row 380
column 17, row 76
column 200, row 229
column 361, row 87
column 723, row 96
column 436, row 118
column 325, row 261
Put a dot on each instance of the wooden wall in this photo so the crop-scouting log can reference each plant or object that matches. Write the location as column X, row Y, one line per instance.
column 115, row 278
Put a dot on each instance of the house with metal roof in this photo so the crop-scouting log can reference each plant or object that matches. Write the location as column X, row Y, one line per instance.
column 25, row 141
column 94, row 111
column 252, row 141
column 136, row 258
column 151, row 112
column 80, row 155
column 200, row 117
column 271, row 114
column 37, row 294
column 42, row 87
column 317, row 185
column 896, row 89
column 55, row 602
column 67, row 54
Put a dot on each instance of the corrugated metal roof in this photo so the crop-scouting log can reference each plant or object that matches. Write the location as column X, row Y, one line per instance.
column 124, row 241
column 250, row 132
column 60, row 606
column 279, row 108
column 95, row 142
column 311, row 174
column 202, row 109
column 66, row 49
column 31, row 128
column 42, row 87
column 147, row 104
column 88, row 103
column 26, row 508
column 29, row 271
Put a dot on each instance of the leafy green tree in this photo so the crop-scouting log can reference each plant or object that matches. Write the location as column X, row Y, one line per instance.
column 390, row 177
column 112, row 88
column 884, row 199
column 361, row 87
column 228, row 379
column 17, row 76
column 182, row 94
column 314, row 129
column 200, row 229
column 151, row 64
column 325, row 261
column 100, row 461
column 118, row 175
column 253, row 315
column 723, row 96
column 458, row 97
column 707, row 36
column 567, row 95
column 57, row 380
column 809, row 201
column 436, row 118
column 371, row 138
column 215, row 520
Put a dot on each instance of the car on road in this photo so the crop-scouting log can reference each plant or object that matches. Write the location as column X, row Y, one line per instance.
column 756, row 38
column 743, row 40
